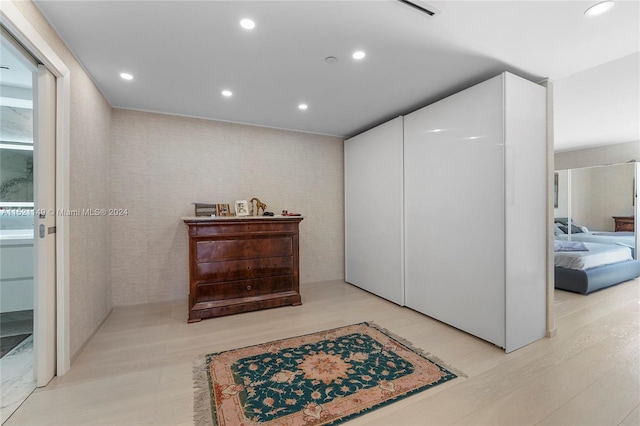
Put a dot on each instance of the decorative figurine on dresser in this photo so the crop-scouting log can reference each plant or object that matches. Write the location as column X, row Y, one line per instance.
column 259, row 205
column 241, row 264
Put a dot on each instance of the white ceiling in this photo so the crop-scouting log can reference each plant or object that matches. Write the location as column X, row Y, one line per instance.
column 183, row 53
column 599, row 106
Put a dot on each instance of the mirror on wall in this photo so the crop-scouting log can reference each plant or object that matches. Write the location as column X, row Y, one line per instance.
column 596, row 204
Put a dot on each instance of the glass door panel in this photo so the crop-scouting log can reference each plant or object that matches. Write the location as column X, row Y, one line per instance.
column 17, row 294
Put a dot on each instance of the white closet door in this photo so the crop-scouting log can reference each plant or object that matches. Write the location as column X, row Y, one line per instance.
column 373, row 211
column 454, row 211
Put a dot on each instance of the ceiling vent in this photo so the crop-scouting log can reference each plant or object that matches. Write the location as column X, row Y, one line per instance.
column 421, row 6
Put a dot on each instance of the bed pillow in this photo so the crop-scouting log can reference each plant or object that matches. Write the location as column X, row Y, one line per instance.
column 574, row 229
column 557, row 230
column 569, row 246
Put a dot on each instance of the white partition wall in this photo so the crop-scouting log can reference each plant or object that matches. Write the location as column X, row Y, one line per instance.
column 475, row 200
column 374, row 247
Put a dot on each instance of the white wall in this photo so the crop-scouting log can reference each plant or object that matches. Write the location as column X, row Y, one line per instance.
column 161, row 164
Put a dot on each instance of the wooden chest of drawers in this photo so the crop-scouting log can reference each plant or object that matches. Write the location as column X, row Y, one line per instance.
column 242, row 264
column 624, row 223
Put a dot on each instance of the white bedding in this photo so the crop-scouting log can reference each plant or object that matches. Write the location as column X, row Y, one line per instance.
column 598, row 255
column 626, row 239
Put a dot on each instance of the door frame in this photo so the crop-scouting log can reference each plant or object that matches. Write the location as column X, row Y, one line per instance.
column 44, row 245
column 22, row 30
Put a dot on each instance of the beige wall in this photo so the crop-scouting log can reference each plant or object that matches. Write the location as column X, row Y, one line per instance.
column 89, row 280
column 598, row 156
column 161, row 164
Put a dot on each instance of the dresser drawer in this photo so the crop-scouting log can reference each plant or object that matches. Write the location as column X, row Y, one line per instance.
column 221, row 250
column 254, row 226
column 245, row 288
column 233, row 270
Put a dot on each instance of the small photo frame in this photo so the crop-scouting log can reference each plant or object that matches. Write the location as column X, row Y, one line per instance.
column 205, row 209
column 242, row 208
column 223, row 210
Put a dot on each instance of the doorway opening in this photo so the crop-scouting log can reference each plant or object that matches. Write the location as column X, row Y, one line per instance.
column 18, row 76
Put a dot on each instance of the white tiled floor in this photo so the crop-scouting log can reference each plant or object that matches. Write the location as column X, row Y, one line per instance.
column 16, row 377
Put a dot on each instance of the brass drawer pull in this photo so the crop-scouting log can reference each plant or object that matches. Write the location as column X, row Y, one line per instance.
column 248, row 287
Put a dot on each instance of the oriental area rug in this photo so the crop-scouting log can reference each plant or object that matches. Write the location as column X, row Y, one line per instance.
column 322, row 378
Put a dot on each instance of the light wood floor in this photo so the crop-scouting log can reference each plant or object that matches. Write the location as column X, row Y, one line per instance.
column 137, row 369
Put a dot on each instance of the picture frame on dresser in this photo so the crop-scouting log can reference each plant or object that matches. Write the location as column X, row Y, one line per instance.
column 223, row 210
column 242, row 208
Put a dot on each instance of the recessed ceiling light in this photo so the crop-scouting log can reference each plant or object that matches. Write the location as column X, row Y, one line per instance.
column 600, row 8
column 358, row 54
column 126, row 76
column 227, row 93
column 247, row 24
column 303, row 106
column 331, row 59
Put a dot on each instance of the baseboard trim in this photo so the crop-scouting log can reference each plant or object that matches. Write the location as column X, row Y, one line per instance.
column 91, row 336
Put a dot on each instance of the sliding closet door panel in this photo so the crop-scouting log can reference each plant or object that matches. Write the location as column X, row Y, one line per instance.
column 526, row 195
column 454, row 211
column 373, row 211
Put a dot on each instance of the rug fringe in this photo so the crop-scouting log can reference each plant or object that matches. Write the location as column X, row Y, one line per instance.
column 418, row 350
column 202, row 415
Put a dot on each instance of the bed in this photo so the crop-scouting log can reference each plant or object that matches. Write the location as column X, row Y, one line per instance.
column 625, row 239
column 580, row 233
column 584, row 267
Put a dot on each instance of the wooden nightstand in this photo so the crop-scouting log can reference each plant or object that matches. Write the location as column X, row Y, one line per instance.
column 624, row 223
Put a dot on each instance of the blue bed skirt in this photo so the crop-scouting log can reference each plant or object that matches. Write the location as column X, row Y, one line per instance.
column 590, row 280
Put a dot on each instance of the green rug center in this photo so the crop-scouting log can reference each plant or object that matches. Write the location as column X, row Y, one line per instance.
column 283, row 381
